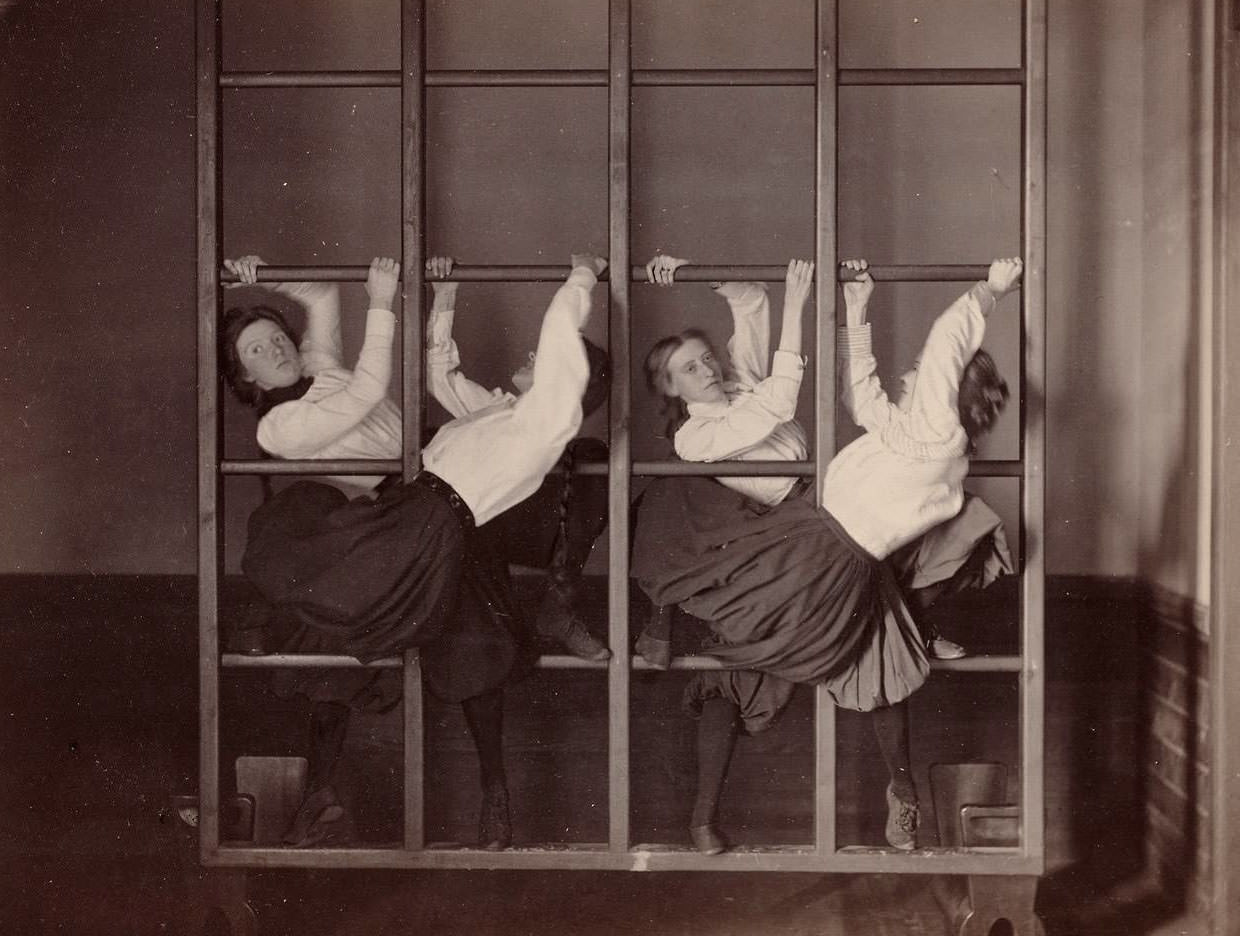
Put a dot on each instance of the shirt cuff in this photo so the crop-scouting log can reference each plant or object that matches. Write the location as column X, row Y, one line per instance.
column 737, row 291
column 854, row 342
column 380, row 322
column 985, row 297
column 787, row 364
column 444, row 357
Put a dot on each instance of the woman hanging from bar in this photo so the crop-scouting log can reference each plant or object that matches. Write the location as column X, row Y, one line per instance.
column 556, row 526
column 795, row 592
column 399, row 565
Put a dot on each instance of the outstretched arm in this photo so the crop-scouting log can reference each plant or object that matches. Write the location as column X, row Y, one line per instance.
column 448, row 385
column 797, row 283
column 299, row 429
column 749, row 348
column 953, row 340
column 860, row 390
column 551, row 409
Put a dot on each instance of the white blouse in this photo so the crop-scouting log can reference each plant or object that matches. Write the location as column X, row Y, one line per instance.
column 757, row 421
column 906, row 473
column 494, row 457
column 344, row 414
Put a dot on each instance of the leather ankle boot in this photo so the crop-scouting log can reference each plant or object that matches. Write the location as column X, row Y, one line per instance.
column 557, row 620
column 654, row 644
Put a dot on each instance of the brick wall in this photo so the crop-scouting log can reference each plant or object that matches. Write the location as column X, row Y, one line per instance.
column 1175, row 737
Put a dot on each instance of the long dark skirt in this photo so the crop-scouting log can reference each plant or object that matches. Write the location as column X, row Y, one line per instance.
column 370, row 579
column 784, row 588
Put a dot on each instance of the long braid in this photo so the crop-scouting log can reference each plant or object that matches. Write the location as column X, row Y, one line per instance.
column 568, row 463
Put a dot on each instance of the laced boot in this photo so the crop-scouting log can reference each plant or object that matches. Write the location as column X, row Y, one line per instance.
column 654, row 645
column 556, row 618
column 903, row 818
column 494, row 820
column 708, row 840
column 320, row 820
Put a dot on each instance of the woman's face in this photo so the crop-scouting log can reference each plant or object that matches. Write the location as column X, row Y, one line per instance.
column 268, row 355
column 694, row 375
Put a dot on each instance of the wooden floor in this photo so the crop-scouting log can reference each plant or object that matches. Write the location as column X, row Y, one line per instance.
column 99, row 723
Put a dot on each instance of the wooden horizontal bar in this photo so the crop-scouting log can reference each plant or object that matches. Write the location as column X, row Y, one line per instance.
column 310, row 79
column 906, row 273
column 353, row 466
column 929, row 273
column 334, row 661
column 309, row 466
column 981, row 468
column 358, row 273
column 635, row 662
column 521, row 78
column 725, row 77
column 777, row 469
column 980, row 664
column 597, row 857
column 517, row 78
column 304, row 661
column 446, row 78
column 598, row 78
column 996, row 468
column 692, row 273
column 931, row 76
column 646, row 469
column 728, row 469
column 974, row 664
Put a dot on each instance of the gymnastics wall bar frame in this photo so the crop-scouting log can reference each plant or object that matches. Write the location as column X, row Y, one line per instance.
column 1026, row 860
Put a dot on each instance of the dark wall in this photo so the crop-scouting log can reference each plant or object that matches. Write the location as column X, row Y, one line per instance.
column 99, row 258
column 97, row 286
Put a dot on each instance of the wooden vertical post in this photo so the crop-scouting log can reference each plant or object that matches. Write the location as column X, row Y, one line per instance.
column 618, row 683
column 825, row 251
column 209, row 545
column 1033, row 443
column 413, row 235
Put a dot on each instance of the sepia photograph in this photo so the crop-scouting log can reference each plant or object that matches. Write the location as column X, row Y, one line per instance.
column 619, row 467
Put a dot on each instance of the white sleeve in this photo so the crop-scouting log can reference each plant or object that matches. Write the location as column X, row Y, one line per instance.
column 299, row 428
column 749, row 419
column 550, row 410
column 749, row 348
column 455, row 392
column 953, row 340
column 321, row 346
column 860, row 390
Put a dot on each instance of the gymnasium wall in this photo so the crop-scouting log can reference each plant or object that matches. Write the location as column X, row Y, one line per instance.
column 1176, row 446
column 1177, row 292
column 97, row 247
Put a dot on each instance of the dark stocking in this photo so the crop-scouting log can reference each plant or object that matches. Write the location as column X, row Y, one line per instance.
column 329, row 722
column 891, row 727
column 717, row 731
column 585, row 508
column 485, row 716
column 919, row 601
